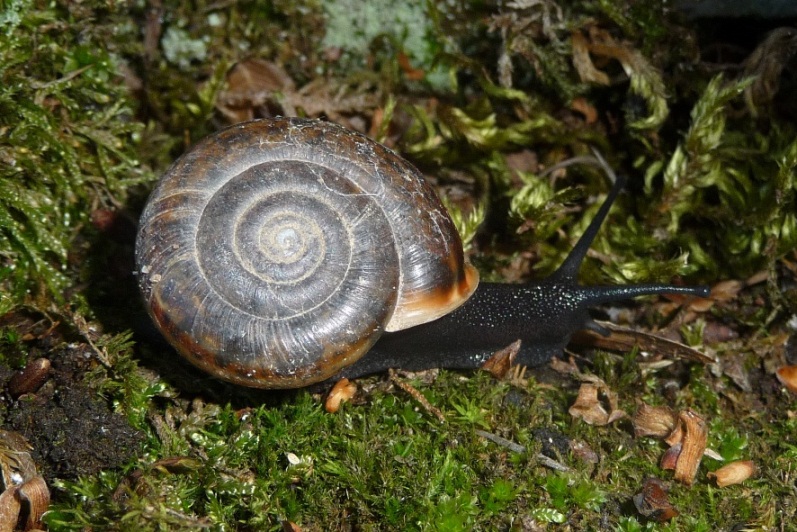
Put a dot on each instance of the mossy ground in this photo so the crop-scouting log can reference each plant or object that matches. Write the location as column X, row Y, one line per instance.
column 97, row 98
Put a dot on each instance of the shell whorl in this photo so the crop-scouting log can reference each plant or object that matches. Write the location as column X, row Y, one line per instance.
column 276, row 252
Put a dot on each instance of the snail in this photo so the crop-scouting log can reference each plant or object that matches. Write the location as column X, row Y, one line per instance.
column 280, row 253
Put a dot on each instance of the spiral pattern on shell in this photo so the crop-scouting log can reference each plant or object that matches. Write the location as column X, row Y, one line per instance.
column 276, row 252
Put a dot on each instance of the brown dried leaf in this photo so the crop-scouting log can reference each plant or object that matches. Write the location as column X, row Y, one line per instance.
column 787, row 375
column 717, row 333
column 670, row 457
column 657, row 421
column 24, row 489
column 584, row 452
column 343, row 103
column 583, row 62
column 253, row 89
column 9, row 509
column 565, row 367
column 694, row 444
column 582, row 106
column 290, row 526
column 761, row 277
column 589, row 408
column 31, row 324
column 733, row 366
column 35, row 493
column 499, row 364
column 653, row 501
column 414, row 74
column 701, row 304
column 16, row 464
column 177, row 465
column 342, row 392
column 615, row 415
column 726, row 290
column 602, row 44
column 523, row 161
column 733, row 473
column 766, row 65
column 677, row 434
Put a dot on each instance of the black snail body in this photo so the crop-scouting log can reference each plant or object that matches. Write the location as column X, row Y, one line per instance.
column 281, row 253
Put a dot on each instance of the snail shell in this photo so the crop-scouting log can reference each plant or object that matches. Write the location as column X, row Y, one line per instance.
column 276, row 252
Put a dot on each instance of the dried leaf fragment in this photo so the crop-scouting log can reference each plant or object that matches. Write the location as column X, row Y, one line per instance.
column 646, row 80
column 16, row 464
column 177, row 465
column 9, row 509
column 733, row 473
column 653, row 501
column 290, row 526
column 583, row 63
column 657, row 421
column 254, row 87
column 728, row 290
column 787, row 375
column 342, row 392
column 414, row 74
column 685, row 433
column 589, row 408
column 714, row 455
column 582, row 106
column 25, row 495
column 733, row 367
column 499, row 364
column 677, row 434
column 766, row 64
column 36, row 498
column 584, row 452
column 567, row 367
column 693, row 446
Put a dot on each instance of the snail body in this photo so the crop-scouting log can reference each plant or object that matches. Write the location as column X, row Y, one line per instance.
column 281, row 253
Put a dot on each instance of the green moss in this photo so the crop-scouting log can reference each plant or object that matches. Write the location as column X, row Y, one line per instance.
column 384, row 463
column 11, row 349
column 66, row 141
column 467, row 224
